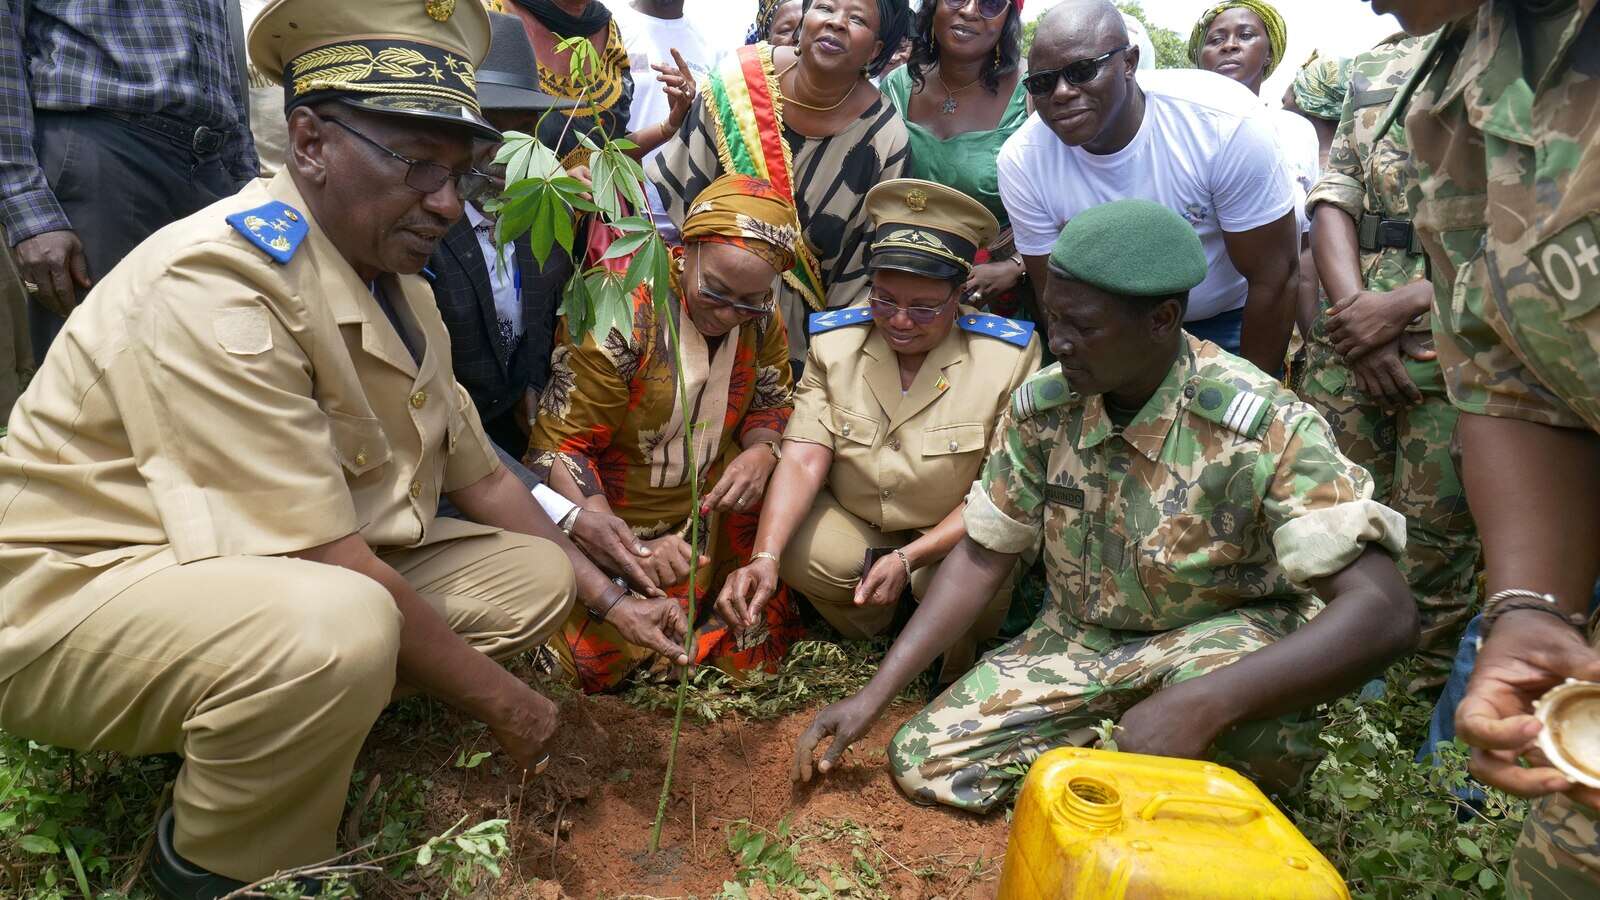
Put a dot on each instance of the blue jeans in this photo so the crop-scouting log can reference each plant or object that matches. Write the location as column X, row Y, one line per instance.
column 1222, row 329
column 1443, row 725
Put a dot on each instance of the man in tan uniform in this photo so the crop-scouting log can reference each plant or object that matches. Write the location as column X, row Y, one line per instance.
column 892, row 421
column 217, row 500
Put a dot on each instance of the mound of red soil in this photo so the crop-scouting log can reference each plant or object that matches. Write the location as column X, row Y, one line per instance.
column 585, row 824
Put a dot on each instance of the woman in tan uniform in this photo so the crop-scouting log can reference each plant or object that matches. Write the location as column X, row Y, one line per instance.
column 891, row 424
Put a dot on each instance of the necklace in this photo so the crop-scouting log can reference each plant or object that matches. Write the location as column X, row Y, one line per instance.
column 804, row 105
column 949, row 107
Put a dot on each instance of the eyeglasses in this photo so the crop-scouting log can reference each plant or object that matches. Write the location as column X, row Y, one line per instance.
column 885, row 309
column 1041, row 84
column 421, row 176
column 989, row 9
column 700, row 288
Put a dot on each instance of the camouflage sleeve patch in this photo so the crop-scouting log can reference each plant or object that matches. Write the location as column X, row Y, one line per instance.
column 1046, row 389
column 993, row 529
column 1319, row 507
column 1241, row 411
column 1341, row 190
column 1005, row 508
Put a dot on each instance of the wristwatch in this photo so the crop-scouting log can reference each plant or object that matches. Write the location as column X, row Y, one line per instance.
column 622, row 592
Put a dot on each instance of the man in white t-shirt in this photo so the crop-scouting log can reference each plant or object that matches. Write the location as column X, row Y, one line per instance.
column 651, row 30
column 1193, row 141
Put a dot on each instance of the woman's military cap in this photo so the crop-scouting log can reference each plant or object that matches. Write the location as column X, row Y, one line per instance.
column 399, row 57
column 927, row 229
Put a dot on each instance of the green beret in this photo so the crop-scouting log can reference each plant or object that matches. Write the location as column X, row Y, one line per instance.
column 1133, row 248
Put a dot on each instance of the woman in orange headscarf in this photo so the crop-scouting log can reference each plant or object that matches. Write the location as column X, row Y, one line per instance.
column 612, row 430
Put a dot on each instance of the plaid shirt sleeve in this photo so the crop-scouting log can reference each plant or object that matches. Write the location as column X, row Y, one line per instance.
column 27, row 206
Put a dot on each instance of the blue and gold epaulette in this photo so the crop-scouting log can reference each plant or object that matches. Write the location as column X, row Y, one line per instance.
column 998, row 327
column 1241, row 411
column 828, row 320
column 1045, row 389
column 277, row 228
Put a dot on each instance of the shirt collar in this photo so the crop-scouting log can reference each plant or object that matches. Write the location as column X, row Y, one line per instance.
column 476, row 219
column 1149, row 429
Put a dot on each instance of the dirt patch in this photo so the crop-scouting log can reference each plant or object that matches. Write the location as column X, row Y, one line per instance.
column 585, row 824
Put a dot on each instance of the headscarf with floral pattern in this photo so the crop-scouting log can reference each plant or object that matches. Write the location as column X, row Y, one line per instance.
column 748, row 213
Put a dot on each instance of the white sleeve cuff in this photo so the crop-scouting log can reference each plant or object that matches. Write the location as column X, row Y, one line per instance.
column 555, row 505
column 1322, row 542
column 993, row 529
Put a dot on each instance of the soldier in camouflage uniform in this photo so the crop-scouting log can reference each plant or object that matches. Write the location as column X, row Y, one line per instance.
column 1194, row 517
column 1505, row 137
column 1371, row 370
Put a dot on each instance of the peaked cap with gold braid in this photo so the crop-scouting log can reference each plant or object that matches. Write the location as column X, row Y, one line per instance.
column 927, row 229
column 414, row 58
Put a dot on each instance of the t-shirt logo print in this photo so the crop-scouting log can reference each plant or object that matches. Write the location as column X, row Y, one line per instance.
column 1196, row 213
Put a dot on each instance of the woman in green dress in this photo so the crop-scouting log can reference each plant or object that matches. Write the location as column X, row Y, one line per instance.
column 961, row 97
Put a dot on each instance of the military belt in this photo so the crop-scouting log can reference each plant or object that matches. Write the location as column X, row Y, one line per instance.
column 1379, row 233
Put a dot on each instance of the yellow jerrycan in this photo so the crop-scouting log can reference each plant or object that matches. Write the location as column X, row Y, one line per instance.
column 1100, row 825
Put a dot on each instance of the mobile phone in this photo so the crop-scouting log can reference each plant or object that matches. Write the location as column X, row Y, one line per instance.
column 872, row 556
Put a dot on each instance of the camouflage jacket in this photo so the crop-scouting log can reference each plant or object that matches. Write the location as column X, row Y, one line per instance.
column 1508, row 205
column 1224, row 490
column 1367, row 174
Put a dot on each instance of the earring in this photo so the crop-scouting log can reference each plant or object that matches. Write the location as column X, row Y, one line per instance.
column 679, row 264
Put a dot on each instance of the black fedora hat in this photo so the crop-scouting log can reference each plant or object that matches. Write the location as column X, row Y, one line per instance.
column 508, row 77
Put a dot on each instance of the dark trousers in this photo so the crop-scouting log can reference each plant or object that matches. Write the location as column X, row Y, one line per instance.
column 118, row 184
column 1222, row 329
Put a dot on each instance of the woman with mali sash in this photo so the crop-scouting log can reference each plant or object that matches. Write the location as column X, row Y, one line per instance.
column 809, row 121
column 612, row 430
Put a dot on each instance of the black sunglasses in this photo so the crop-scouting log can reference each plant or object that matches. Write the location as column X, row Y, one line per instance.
column 1041, row 84
column 989, row 9
column 421, row 176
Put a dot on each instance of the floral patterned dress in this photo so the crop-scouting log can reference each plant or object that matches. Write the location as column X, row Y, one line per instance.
column 612, row 416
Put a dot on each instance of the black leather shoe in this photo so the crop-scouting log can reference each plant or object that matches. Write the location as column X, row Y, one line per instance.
column 175, row 878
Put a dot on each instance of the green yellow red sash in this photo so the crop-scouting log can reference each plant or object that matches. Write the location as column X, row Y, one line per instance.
column 746, row 109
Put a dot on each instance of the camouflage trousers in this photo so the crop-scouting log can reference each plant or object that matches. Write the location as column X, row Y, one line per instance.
column 1049, row 688
column 1409, row 456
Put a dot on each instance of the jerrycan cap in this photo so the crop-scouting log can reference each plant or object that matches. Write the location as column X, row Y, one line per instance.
column 1570, row 714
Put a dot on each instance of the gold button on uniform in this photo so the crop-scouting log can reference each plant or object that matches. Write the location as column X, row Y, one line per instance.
column 894, row 444
column 416, row 489
column 361, row 457
column 845, row 428
column 419, row 399
column 954, row 446
column 887, row 493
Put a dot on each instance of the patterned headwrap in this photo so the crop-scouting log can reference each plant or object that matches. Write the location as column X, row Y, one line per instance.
column 1320, row 85
column 1277, row 31
column 748, row 213
column 765, row 11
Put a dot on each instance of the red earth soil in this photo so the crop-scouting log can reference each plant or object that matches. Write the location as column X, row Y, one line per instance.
column 585, row 824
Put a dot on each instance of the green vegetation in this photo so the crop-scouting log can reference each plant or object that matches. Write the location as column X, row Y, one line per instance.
column 78, row 825
column 814, row 673
column 1172, row 49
